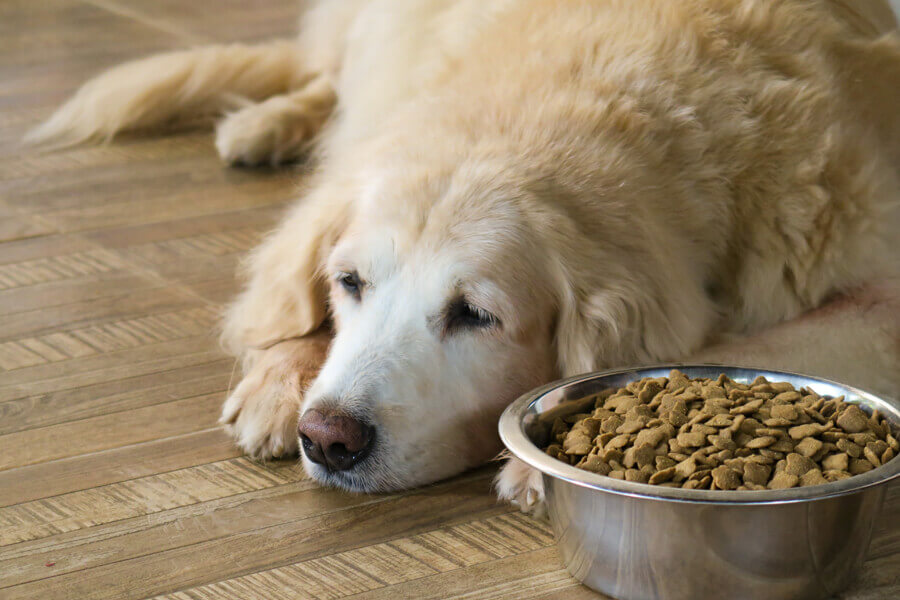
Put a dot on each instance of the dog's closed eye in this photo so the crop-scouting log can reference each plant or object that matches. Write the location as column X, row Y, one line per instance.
column 462, row 315
column 351, row 283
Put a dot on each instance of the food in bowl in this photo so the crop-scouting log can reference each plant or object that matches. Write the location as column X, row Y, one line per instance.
column 720, row 434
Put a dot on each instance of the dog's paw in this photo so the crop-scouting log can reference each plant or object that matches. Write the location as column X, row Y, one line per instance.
column 522, row 486
column 262, row 421
column 262, row 412
column 271, row 132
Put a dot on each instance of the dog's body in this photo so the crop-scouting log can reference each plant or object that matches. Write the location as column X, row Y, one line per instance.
column 515, row 191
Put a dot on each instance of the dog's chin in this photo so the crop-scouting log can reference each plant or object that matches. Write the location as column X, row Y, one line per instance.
column 368, row 477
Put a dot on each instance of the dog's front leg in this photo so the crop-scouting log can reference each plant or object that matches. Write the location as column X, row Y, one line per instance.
column 261, row 413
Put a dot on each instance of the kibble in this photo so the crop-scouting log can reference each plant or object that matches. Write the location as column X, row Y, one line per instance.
column 722, row 435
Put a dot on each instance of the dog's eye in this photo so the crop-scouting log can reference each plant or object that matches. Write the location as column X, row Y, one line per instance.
column 351, row 283
column 463, row 315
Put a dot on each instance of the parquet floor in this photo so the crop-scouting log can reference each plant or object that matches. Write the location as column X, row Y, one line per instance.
column 115, row 481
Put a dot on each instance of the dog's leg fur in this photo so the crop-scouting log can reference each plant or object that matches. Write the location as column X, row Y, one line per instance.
column 279, row 129
column 853, row 339
column 186, row 84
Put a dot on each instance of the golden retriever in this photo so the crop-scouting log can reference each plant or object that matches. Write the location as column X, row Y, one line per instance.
column 512, row 191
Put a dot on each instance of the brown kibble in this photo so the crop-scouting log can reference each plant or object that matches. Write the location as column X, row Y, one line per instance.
column 631, row 426
column 836, row 462
column 801, row 431
column 849, row 447
column 783, row 445
column 725, row 478
column 808, row 447
column 775, row 433
column 721, row 434
column 693, row 439
column 664, row 462
column 853, row 420
column 644, row 455
column 836, row 475
column 748, row 408
column 636, row 475
column 704, row 429
column 760, row 442
column 722, row 443
column 871, row 455
column 893, row 442
column 756, row 473
column 620, row 441
column 785, row 411
column 797, row 464
column 858, row 466
column 783, row 481
column 594, row 464
column 651, row 437
column 812, row 477
column 864, row 438
column 686, row 468
column 612, row 454
column 721, row 420
column 610, row 424
column 577, row 442
column 791, row 396
column 662, row 476
column 782, row 386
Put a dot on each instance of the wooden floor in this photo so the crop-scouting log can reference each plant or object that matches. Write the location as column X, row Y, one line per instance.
column 115, row 481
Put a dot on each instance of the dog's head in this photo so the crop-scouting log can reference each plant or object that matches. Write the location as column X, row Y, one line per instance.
column 454, row 285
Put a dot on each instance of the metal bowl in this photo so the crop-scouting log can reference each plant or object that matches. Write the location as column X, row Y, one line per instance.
column 635, row 541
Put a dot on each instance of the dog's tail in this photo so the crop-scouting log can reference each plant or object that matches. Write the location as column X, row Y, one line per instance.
column 173, row 86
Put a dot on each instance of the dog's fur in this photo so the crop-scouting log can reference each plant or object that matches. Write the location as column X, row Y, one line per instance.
column 614, row 182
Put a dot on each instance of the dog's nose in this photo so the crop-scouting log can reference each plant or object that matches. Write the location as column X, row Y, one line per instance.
column 333, row 439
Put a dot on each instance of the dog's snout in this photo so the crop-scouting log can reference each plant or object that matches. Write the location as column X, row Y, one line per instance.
column 334, row 440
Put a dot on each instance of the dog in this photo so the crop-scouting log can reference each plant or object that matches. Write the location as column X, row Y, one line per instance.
column 511, row 192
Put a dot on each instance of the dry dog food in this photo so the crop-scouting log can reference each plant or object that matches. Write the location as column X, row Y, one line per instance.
column 722, row 435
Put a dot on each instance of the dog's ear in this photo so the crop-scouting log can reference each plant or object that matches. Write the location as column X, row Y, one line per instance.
column 628, row 313
column 286, row 293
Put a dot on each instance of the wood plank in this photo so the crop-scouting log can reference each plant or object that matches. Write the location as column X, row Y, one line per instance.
column 125, row 364
column 109, row 431
column 119, row 304
column 49, row 245
column 135, row 497
column 233, row 20
column 16, row 226
column 107, row 337
column 182, row 204
column 172, row 529
column 192, row 380
column 161, row 572
column 66, row 475
column 401, row 568
column 258, row 219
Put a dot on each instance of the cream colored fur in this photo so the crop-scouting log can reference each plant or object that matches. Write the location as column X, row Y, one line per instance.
column 617, row 182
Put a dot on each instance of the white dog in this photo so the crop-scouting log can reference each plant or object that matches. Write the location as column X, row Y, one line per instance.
column 510, row 192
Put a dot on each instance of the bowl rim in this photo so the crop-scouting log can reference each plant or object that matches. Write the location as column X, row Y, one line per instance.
column 512, row 433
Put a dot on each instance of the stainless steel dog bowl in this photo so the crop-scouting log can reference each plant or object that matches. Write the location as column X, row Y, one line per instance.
column 638, row 542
